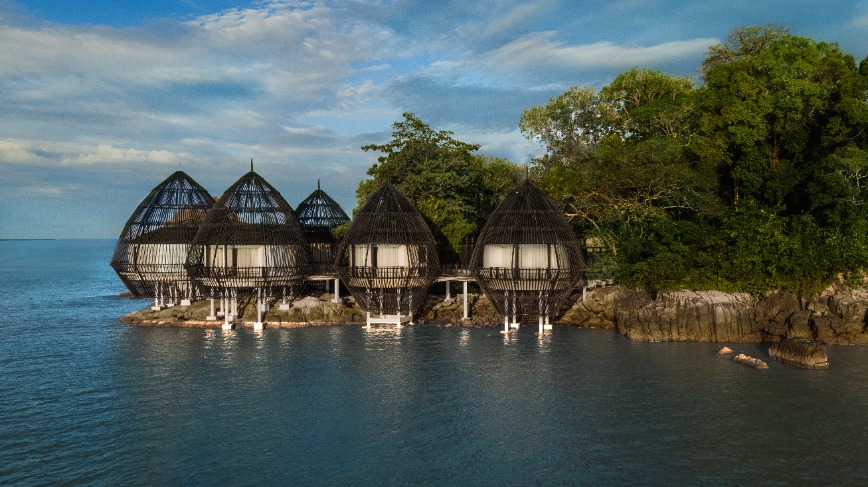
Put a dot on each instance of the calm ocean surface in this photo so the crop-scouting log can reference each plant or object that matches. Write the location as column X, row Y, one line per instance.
column 85, row 399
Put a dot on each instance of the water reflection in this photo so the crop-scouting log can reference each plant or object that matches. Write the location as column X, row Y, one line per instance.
column 544, row 341
column 510, row 337
column 464, row 337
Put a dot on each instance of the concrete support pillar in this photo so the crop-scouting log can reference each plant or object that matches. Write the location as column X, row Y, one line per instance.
column 369, row 319
column 585, row 292
column 211, row 316
column 259, row 305
column 466, row 316
column 156, row 306
column 541, row 325
column 337, row 298
column 226, row 324
column 506, row 324
column 448, row 293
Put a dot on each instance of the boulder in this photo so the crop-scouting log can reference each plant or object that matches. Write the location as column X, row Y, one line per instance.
column 750, row 361
column 800, row 352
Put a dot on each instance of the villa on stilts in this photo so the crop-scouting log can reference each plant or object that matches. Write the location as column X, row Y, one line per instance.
column 152, row 249
column 527, row 259
column 388, row 258
column 319, row 214
column 250, row 244
column 179, row 246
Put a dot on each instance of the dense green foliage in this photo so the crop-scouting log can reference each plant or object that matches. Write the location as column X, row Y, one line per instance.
column 755, row 179
column 454, row 189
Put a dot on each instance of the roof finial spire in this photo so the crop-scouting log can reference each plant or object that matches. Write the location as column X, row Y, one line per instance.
column 317, row 183
column 251, row 164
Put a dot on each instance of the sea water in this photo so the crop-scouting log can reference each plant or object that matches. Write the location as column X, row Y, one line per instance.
column 86, row 399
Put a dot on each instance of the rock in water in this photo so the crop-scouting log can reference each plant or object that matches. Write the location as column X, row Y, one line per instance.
column 807, row 354
column 750, row 361
column 724, row 351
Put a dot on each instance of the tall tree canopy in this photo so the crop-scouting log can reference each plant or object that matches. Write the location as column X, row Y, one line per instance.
column 754, row 179
column 453, row 188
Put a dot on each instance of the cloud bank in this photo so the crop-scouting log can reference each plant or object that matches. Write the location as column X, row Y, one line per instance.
column 104, row 112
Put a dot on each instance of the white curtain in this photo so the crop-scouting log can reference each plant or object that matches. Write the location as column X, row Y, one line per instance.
column 164, row 256
column 247, row 256
column 497, row 255
column 390, row 255
column 362, row 256
column 533, row 256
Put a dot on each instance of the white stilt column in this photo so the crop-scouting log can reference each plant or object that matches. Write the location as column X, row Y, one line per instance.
column 448, row 293
column 156, row 306
column 258, row 324
column 465, row 301
column 226, row 324
column 547, row 325
column 369, row 319
column 506, row 324
column 585, row 292
column 337, row 298
column 211, row 316
column 541, row 326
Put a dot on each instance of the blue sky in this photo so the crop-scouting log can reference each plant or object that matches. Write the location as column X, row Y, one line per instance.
column 102, row 99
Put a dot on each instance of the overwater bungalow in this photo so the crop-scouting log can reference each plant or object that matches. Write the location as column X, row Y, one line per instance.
column 319, row 214
column 527, row 259
column 250, row 243
column 153, row 245
column 388, row 258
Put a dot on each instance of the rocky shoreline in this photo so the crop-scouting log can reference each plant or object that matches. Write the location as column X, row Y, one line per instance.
column 838, row 315
column 797, row 326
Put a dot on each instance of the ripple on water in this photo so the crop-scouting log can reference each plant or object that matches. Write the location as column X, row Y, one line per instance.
column 86, row 399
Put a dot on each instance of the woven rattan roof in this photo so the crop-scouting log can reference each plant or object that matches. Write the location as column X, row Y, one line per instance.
column 320, row 211
column 527, row 216
column 171, row 213
column 388, row 217
column 250, row 212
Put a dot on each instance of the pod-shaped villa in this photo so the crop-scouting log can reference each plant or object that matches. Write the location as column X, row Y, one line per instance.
column 527, row 259
column 319, row 214
column 153, row 245
column 388, row 258
column 250, row 243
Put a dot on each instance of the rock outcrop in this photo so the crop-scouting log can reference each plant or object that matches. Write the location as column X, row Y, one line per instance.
column 801, row 352
column 838, row 315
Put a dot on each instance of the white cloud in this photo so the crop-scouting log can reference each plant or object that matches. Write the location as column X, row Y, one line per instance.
column 40, row 152
column 541, row 50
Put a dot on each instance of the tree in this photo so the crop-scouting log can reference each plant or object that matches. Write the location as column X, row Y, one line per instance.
column 453, row 188
column 743, row 43
column 773, row 112
column 618, row 156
